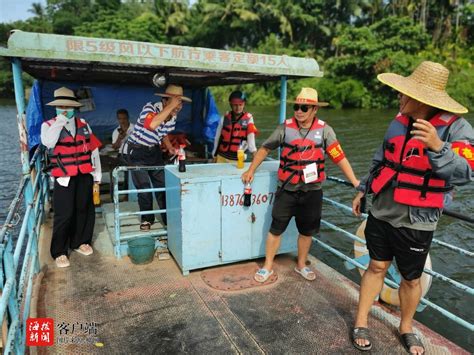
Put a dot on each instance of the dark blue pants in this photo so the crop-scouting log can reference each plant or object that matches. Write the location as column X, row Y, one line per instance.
column 148, row 156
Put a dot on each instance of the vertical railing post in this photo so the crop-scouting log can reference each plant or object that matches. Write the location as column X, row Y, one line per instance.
column 13, row 306
column 21, row 120
column 20, row 107
column 283, row 89
column 25, row 163
column 118, row 251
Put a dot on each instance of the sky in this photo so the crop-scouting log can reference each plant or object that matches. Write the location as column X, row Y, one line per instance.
column 13, row 10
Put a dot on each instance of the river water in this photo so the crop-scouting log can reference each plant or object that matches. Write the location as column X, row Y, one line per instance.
column 360, row 132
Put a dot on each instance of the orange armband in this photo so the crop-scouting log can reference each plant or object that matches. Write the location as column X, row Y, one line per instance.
column 147, row 122
column 464, row 150
column 335, row 152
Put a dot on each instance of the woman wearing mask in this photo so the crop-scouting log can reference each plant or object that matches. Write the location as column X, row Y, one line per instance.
column 75, row 166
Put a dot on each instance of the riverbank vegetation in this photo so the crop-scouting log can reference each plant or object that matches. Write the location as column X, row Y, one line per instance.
column 352, row 40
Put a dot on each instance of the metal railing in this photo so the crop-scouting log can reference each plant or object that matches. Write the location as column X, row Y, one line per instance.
column 119, row 239
column 390, row 283
column 20, row 254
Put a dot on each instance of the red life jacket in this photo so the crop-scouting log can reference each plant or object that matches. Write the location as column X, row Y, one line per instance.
column 298, row 151
column 407, row 164
column 72, row 155
column 233, row 134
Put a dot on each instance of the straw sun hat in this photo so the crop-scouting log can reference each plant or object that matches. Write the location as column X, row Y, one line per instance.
column 64, row 97
column 174, row 90
column 309, row 96
column 426, row 84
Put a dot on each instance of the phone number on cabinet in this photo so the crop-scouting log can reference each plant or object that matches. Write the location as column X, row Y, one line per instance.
column 238, row 199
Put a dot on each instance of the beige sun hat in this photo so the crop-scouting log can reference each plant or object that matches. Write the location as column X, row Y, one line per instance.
column 309, row 96
column 174, row 90
column 426, row 84
column 64, row 97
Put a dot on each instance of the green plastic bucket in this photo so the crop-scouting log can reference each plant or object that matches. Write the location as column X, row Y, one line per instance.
column 141, row 250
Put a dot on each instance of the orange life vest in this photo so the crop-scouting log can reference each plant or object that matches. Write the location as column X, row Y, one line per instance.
column 233, row 134
column 72, row 155
column 298, row 151
column 407, row 166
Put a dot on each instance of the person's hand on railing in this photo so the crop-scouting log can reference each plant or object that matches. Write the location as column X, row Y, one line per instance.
column 356, row 203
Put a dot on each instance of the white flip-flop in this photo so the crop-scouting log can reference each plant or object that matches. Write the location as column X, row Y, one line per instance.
column 86, row 253
column 264, row 274
column 305, row 272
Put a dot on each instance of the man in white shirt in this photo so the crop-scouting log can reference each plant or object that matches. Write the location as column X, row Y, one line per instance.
column 119, row 140
column 75, row 164
column 121, row 133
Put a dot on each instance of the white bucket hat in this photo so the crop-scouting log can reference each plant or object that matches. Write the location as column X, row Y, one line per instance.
column 64, row 97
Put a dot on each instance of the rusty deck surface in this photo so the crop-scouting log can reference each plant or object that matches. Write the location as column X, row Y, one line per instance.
column 112, row 306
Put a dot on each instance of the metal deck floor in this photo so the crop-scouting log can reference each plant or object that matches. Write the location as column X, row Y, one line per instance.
column 153, row 309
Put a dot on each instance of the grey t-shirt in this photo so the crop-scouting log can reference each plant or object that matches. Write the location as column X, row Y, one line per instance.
column 277, row 138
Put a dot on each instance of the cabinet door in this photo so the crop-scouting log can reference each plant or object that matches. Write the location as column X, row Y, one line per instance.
column 200, row 218
column 264, row 188
column 263, row 196
column 235, row 223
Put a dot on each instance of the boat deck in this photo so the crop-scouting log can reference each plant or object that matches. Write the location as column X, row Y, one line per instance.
column 112, row 306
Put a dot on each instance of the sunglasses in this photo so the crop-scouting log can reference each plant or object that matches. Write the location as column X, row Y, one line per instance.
column 304, row 108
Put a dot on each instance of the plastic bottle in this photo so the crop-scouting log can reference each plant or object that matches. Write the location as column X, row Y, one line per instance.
column 241, row 154
column 96, row 194
column 240, row 158
column 247, row 194
column 182, row 159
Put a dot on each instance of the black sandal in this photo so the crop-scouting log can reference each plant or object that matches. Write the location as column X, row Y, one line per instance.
column 361, row 333
column 411, row 339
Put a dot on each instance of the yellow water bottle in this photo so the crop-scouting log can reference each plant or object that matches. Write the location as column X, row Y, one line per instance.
column 240, row 158
column 96, row 194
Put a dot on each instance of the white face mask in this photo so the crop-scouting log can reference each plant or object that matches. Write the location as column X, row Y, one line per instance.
column 69, row 113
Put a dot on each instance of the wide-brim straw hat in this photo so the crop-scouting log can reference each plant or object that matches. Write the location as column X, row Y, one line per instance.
column 309, row 96
column 174, row 91
column 426, row 84
column 64, row 97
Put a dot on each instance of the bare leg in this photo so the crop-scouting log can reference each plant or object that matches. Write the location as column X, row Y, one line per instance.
column 272, row 246
column 370, row 287
column 410, row 294
column 304, row 244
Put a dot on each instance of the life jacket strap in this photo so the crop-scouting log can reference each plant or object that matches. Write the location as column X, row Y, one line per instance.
column 73, row 144
column 290, row 162
column 73, row 155
column 407, row 185
column 399, row 168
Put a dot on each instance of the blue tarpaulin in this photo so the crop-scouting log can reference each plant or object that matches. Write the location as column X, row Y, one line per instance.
column 34, row 115
column 211, row 120
column 198, row 119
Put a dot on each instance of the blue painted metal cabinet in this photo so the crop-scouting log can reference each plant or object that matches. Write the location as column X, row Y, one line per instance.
column 207, row 222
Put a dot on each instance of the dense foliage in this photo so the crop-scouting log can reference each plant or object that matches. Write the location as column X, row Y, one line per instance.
column 353, row 40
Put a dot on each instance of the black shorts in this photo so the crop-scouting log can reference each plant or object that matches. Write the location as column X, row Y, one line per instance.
column 410, row 247
column 304, row 206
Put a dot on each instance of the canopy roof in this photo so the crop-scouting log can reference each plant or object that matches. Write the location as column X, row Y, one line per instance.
column 71, row 58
